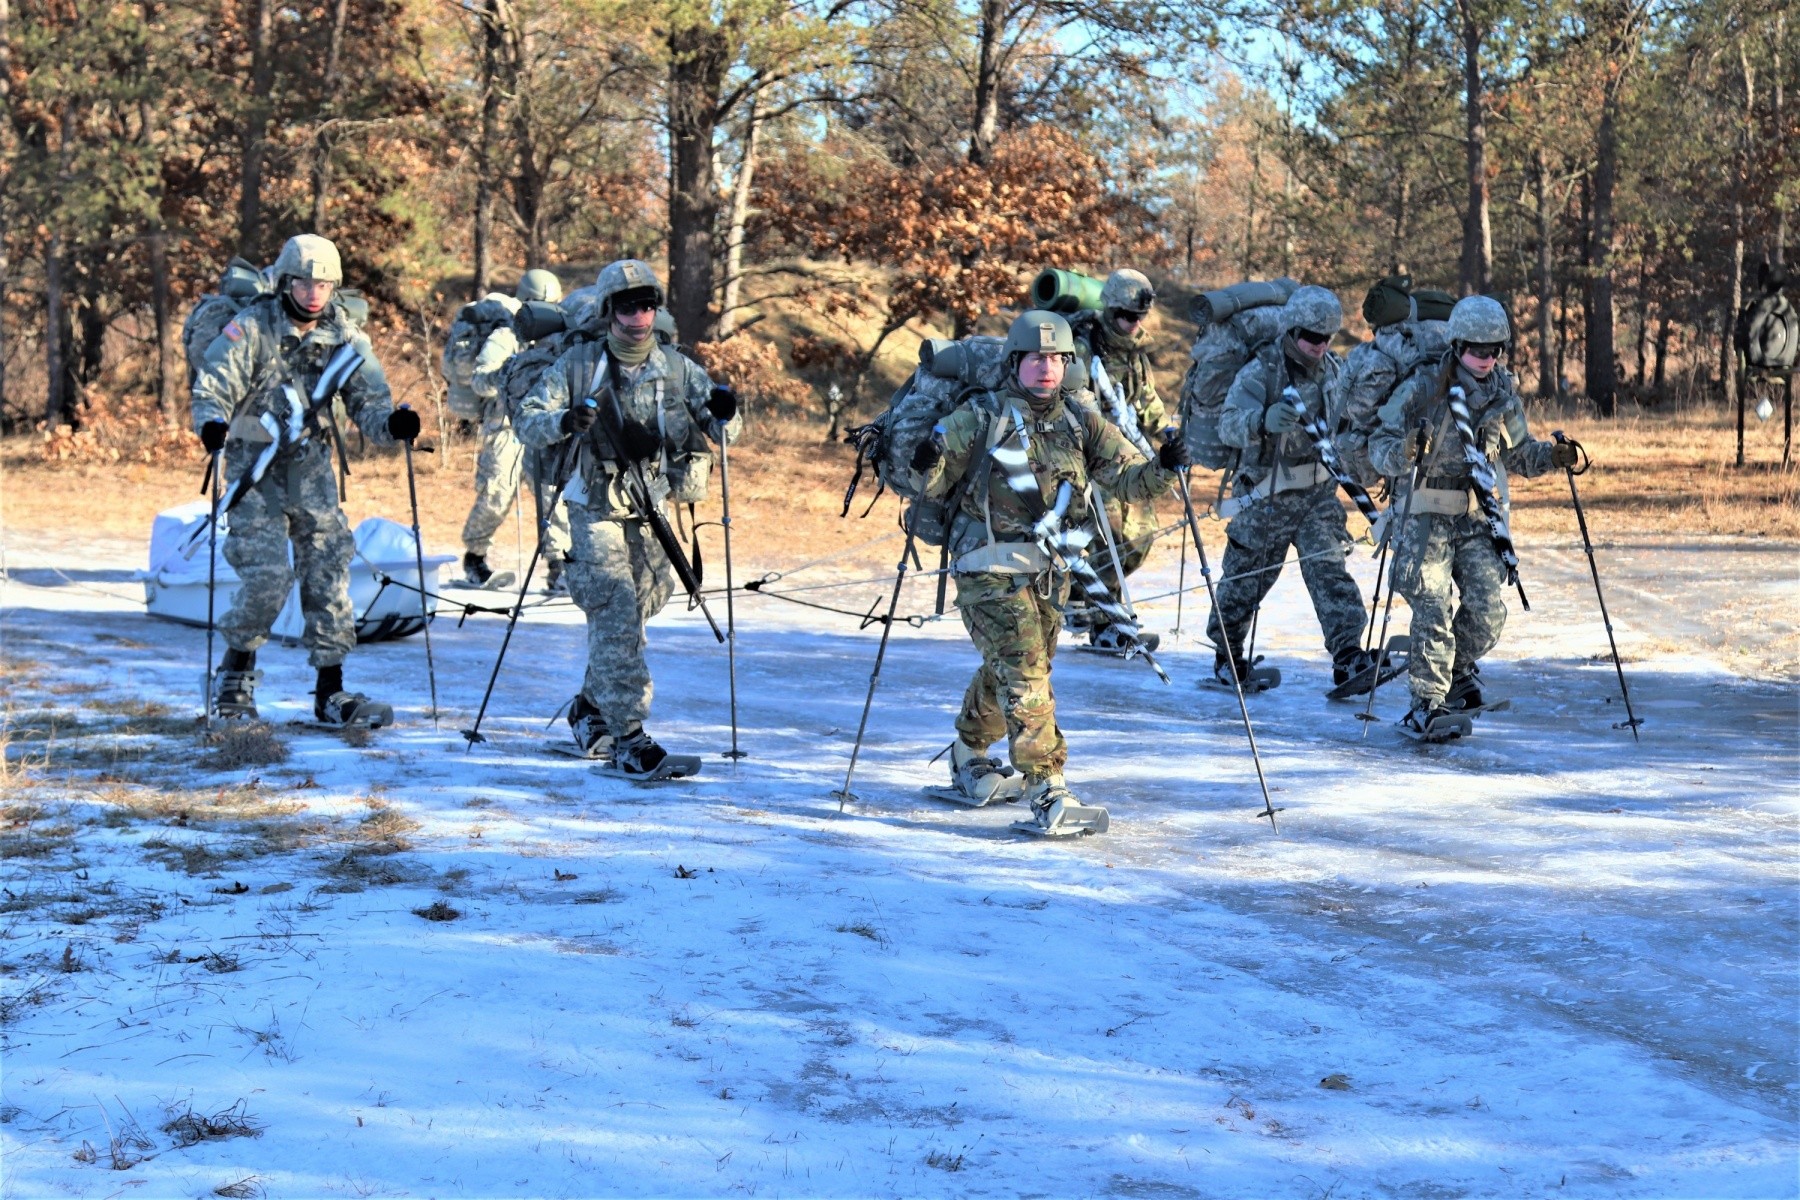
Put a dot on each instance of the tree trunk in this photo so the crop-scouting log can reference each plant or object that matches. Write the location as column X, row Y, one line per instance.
column 698, row 56
column 5, row 178
column 988, row 54
column 1250, row 202
column 1780, row 127
column 1662, row 352
column 156, row 239
column 1643, row 312
column 1402, row 215
column 321, row 166
column 1602, row 381
column 493, row 50
column 740, row 215
column 59, row 406
column 1477, row 272
column 1728, row 374
column 259, row 21
column 1549, row 383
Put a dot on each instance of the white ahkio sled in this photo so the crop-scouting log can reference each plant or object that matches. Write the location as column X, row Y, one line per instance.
column 384, row 577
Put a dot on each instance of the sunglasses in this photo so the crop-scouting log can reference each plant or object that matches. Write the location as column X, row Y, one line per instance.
column 1483, row 349
column 631, row 308
column 1311, row 338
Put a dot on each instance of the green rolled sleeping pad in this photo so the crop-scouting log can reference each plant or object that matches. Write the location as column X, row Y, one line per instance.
column 1065, row 292
column 1224, row 303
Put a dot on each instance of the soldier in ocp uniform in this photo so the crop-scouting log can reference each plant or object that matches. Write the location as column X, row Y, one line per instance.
column 497, row 466
column 1284, row 496
column 617, row 572
column 1113, row 342
column 1010, row 597
column 1446, row 546
column 267, row 359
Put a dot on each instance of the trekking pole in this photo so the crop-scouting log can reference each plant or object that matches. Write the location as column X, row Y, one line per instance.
column 1187, row 504
column 844, row 794
column 1181, row 580
column 1632, row 720
column 1418, row 472
column 730, row 612
column 211, row 485
column 1375, row 593
column 412, row 494
column 474, row 734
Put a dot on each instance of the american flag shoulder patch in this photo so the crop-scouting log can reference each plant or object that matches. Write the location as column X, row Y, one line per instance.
column 233, row 331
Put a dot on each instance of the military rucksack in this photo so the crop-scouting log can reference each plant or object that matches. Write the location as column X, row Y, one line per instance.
column 1370, row 374
column 1768, row 334
column 462, row 346
column 1236, row 324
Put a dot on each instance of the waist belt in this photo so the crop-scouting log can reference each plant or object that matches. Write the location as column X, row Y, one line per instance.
column 1005, row 558
column 1448, row 483
column 1444, row 502
column 1284, row 478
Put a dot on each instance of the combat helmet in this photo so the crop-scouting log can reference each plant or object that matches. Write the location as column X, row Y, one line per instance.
column 1127, row 291
column 1039, row 331
column 626, row 275
column 308, row 256
column 1312, row 308
column 539, row 284
column 1478, row 320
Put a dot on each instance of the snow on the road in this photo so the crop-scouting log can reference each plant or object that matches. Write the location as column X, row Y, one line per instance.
column 1547, row 961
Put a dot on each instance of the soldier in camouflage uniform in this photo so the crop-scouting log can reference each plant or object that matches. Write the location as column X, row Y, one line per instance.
column 1010, row 598
column 617, row 572
column 1114, row 341
column 1445, row 545
column 240, row 284
column 268, row 355
column 1284, row 496
column 497, row 466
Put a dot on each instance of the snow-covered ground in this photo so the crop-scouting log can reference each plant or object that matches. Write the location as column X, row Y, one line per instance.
column 1546, row 961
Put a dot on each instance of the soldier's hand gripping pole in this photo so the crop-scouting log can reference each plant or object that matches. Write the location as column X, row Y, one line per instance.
column 730, row 611
column 844, row 794
column 567, row 468
column 215, row 467
column 412, row 495
column 1632, row 720
column 1394, row 533
column 1237, row 685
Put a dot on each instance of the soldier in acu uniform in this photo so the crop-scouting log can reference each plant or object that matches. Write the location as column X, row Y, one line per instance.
column 1010, row 597
column 1113, row 345
column 497, row 466
column 617, row 572
column 1284, row 496
column 1446, row 546
column 267, row 359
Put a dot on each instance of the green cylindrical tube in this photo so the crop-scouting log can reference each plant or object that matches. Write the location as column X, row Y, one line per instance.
column 1065, row 292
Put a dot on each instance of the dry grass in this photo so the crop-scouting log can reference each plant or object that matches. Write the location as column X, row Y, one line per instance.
column 237, row 744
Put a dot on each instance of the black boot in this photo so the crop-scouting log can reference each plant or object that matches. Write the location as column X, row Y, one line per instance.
column 588, row 728
column 637, row 755
column 332, row 705
column 234, row 693
column 1465, row 689
column 476, row 572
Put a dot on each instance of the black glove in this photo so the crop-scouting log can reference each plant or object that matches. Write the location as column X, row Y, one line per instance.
column 722, row 404
column 212, row 436
column 639, row 443
column 403, row 424
column 580, row 417
column 925, row 455
column 1173, row 455
column 1564, row 455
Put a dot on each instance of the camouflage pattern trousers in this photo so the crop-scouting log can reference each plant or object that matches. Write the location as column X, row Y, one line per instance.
column 1312, row 521
column 1134, row 529
column 619, row 577
column 1435, row 556
column 297, row 502
column 541, row 467
column 496, row 479
column 1015, row 631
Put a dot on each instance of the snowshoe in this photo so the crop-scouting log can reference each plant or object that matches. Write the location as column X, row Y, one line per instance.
column 1110, row 639
column 1253, row 677
column 1055, row 811
column 1437, row 724
column 977, row 780
column 346, row 710
column 477, row 574
column 1357, row 674
column 554, row 583
column 638, row 758
column 587, row 728
column 234, row 694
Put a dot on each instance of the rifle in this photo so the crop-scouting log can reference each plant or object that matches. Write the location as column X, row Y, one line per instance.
column 346, row 362
column 1321, row 440
column 637, row 488
column 1481, row 475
